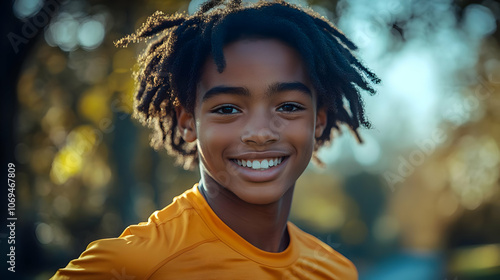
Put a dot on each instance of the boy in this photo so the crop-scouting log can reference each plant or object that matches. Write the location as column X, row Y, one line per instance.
column 249, row 93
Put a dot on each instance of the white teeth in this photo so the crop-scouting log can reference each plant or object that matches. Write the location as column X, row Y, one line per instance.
column 255, row 164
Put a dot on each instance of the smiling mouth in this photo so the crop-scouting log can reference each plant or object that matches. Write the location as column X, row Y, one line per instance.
column 259, row 164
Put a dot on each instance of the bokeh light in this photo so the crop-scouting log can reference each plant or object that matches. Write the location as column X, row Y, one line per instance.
column 26, row 8
column 90, row 34
column 71, row 30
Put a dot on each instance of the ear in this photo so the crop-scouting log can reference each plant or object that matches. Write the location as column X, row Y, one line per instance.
column 186, row 124
column 321, row 120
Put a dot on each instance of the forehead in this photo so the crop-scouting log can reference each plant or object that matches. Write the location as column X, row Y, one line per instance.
column 255, row 61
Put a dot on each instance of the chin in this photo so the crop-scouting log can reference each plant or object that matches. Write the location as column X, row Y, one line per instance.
column 261, row 196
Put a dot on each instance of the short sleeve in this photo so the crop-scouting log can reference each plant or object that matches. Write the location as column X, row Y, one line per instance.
column 114, row 258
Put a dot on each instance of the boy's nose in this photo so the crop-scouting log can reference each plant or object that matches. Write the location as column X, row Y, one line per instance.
column 259, row 132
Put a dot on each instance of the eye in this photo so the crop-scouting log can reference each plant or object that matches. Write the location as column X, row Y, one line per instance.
column 225, row 110
column 290, row 107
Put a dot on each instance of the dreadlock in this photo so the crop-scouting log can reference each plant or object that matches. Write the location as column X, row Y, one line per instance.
column 170, row 67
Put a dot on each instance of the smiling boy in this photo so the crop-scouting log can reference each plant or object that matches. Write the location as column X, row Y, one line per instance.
column 249, row 93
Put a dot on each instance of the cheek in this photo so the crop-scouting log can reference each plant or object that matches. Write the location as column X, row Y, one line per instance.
column 213, row 139
column 302, row 135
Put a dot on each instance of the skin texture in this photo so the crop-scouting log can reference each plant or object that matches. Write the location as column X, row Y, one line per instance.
column 261, row 106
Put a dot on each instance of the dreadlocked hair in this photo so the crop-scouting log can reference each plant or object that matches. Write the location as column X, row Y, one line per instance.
column 169, row 69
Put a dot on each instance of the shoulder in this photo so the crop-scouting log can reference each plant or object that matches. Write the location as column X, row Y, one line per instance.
column 140, row 248
column 322, row 255
column 109, row 258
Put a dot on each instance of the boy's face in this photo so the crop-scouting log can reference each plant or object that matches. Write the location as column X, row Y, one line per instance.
column 260, row 111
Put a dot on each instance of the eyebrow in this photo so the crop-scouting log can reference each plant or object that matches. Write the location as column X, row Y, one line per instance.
column 294, row 86
column 225, row 90
column 272, row 90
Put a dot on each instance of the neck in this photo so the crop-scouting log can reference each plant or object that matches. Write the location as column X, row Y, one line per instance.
column 263, row 226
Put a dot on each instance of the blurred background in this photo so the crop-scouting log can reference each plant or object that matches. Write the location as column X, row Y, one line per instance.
column 418, row 200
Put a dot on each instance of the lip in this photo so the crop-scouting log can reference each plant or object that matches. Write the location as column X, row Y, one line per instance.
column 259, row 155
column 259, row 175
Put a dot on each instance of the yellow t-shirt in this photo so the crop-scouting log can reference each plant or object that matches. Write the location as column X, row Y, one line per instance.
column 186, row 240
